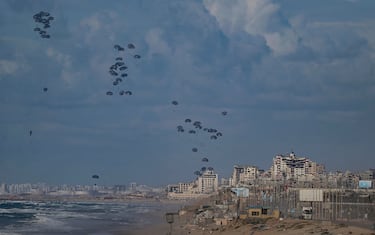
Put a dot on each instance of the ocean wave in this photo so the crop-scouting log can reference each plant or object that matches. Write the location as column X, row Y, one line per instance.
column 10, row 233
column 71, row 217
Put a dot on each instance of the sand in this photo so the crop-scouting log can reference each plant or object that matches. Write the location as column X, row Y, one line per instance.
column 273, row 226
column 286, row 227
column 183, row 225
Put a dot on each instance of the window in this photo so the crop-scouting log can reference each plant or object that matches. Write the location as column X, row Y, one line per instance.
column 255, row 213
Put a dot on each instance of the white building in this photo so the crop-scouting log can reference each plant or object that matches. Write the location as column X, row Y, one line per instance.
column 208, row 182
column 244, row 174
column 292, row 167
column 3, row 188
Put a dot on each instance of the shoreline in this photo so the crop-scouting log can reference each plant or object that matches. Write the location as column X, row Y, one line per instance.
column 92, row 199
column 271, row 227
column 185, row 224
column 185, row 221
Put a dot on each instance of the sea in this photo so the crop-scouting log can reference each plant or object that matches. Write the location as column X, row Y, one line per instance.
column 94, row 218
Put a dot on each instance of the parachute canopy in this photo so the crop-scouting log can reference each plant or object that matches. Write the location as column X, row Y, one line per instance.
column 95, row 176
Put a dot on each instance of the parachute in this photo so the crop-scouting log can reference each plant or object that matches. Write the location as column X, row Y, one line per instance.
column 118, row 69
column 44, row 19
column 95, row 176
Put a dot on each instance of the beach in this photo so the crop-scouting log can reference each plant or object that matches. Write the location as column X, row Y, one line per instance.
column 285, row 227
column 143, row 217
column 185, row 223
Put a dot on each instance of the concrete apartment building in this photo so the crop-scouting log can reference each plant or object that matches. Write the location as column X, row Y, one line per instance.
column 208, row 182
column 292, row 167
column 244, row 175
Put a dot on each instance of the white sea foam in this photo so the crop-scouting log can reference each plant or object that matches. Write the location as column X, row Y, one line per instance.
column 77, row 218
column 17, row 210
column 46, row 223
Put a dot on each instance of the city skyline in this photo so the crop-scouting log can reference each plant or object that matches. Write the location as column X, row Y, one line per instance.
column 289, row 75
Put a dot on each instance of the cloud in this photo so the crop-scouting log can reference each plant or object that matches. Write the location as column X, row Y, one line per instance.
column 8, row 67
column 99, row 25
column 63, row 59
column 69, row 74
column 156, row 43
column 255, row 17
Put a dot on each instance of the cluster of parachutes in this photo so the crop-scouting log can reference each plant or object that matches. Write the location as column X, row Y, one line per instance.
column 43, row 18
column 195, row 128
column 203, row 168
column 118, row 70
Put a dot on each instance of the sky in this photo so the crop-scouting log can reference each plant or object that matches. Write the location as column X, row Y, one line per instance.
column 292, row 75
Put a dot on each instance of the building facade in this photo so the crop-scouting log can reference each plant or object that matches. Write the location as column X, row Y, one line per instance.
column 292, row 167
column 244, row 174
column 208, row 182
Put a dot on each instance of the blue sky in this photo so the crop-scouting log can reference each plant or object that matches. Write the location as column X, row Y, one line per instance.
column 292, row 75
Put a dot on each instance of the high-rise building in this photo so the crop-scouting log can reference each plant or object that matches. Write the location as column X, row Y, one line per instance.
column 244, row 174
column 292, row 167
column 208, row 182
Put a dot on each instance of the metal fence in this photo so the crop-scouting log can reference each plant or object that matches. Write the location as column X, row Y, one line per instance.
column 346, row 205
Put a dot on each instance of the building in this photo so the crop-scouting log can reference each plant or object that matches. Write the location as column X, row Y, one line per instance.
column 292, row 167
column 186, row 187
column 208, row 182
column 366, row 175
column 244, row 174
column 3, row 188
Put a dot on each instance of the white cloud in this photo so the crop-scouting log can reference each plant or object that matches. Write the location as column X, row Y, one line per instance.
column 63, row 59
column 98, row 25
column 8, row 67
column 70, row 77
column 256, row 17
column 92, row 23
column 69, row 74
column 282, row 43
column 156, row 43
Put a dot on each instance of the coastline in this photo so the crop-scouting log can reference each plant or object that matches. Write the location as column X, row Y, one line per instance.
column 185, row 224
column 185, row 221
column 285, row 227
